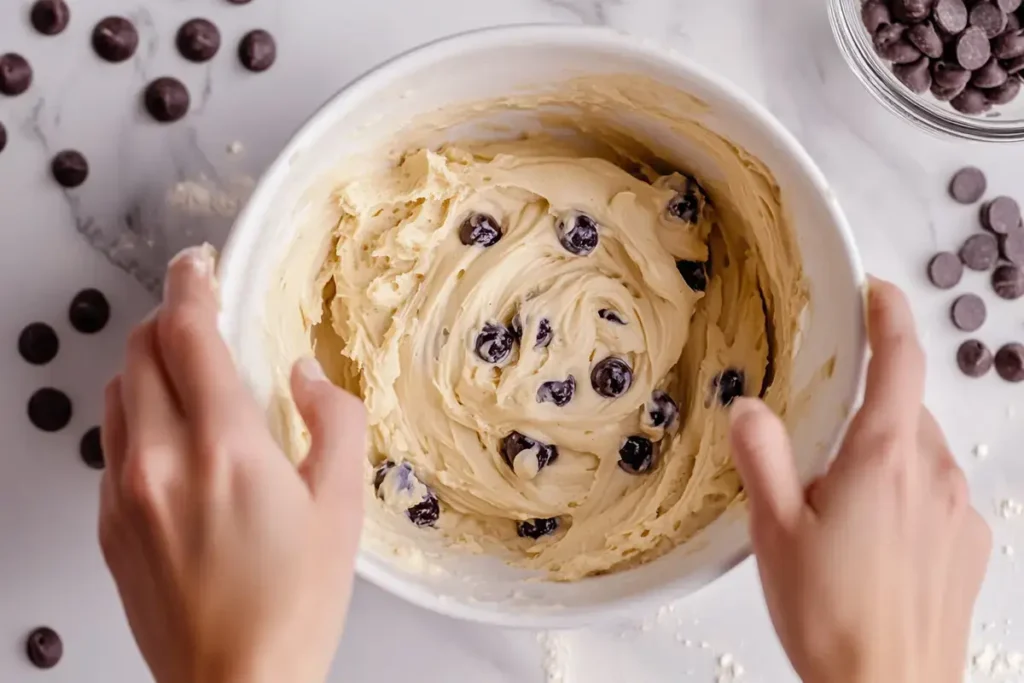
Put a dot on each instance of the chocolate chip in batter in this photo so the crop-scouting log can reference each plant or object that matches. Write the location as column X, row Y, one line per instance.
column 424, row 513
column 90, row 448
column 1001, row 215
column 494, row 343
column 945, row 270
column 516, row 442
column 38, row 343
column 544, row 332
column 69, row 168
column 728, row 385
column 578, row 233
column 49, row 409
column 694, row 274
column 535, row 528
column 969, row 183
column 559, row 393
column 15, row 74
column 115, row 39
column 980, row 251
column 636, row 455
column 479, row 229
column 89, row 311
column 969, row 312
column 611, row 316
column 50, row 17
column 198, row 40
column 257, row 51
column 1011, row 245
column 660, row 410
column 611, row 377
column 688, row 205
column 974, row 358
column 1010, row 362
column 1008, row 282
column 44, row 647
column 167, row 99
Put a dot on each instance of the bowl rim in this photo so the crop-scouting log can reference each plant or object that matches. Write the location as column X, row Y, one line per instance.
column 232, row 267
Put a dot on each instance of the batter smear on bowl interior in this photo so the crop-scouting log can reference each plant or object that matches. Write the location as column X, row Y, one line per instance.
column 547, row 332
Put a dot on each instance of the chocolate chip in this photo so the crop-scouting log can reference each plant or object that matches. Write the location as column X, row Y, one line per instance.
column 544, row 331
column 479, row 229
column 1011, row 245
column 660, row 410
column 559, row 393
column 1014, row 66
column 912, row 10
column 987, row 16
column 1009, row 45
column 915, row 75
column 1005, row 93
column 426, row 513
column 945, row 270
column 1001, row 215
column 992, row 75
column 1009, row 6
column 968, row 312
column 89, row 311
column 611, row 316
column 1010, row 362
column 694, row 274
column 44, row 647
column 198, row 40
column 973, row 49
column 891, row 43
column 1012, row 22
column 494, row 343
column 950, row 76
column 968, row 184
column 115, row 39
column 15, row 74
column 50, row 17
column 535, row 528
column 971, row 101
column 167, row 99
column 728, row 385
column 38, row 343
column 611, row 377
column 951, row 15
column 49, row 409
column 3, row 137
column 69, row 168
column 924, row 37
column 1008, row 282
column 689, row 204
column 578, row 233
column 636, row 455
column 980, row 251
column 516, row 442
column 875, row 14
column 946, row 94
column 257, row 51
column 90, row 448
column 974, row 358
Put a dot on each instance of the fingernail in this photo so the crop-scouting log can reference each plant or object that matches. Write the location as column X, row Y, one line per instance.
column 201, row 260
column 310, row 369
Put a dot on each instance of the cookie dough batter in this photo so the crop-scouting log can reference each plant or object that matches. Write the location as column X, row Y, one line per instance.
column 547, row 331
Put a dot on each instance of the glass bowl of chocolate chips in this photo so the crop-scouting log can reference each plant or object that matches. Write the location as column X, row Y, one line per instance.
column 954, row 67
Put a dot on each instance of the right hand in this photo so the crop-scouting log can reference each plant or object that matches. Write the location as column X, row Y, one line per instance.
column 871, row 574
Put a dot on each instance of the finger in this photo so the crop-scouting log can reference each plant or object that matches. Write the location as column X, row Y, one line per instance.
column 198, row 362
column 764, row 459
column 150, row 412
column 896, row 373
column 336, row 420
column 112, row 432
column 932, row 441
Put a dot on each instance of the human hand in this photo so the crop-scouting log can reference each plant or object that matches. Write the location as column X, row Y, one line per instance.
column 232, row 564
column 871, row 574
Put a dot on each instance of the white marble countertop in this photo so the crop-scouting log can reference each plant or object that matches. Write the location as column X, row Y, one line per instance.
column 890, row 178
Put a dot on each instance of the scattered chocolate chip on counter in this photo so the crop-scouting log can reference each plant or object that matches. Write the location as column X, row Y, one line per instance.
column 70, row 168
column 90, row 448
column 15, row 74
column 980, row 252
column 968, row 312
column 968, row 185
column 198, row 40
column 115, row 39
column 49, row 409
column 257, row 51
column 1008, row 282
column 167, row 99
column 1001, row 215
column 89, row 311
column 1010, row 362
column 38, row 343
column 44, row 647
column 50, row 17
column 974, row 358
column 945, row 270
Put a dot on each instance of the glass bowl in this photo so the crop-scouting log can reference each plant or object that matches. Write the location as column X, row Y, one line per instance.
column 1001, row 124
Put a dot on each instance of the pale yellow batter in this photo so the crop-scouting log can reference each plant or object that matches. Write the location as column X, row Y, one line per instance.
column 392, row 301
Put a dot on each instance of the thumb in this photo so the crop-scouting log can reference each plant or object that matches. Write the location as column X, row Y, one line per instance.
column 764, row 459
column 333, row 469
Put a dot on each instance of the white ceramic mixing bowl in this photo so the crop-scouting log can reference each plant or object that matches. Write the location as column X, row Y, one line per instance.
column 493, row 63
